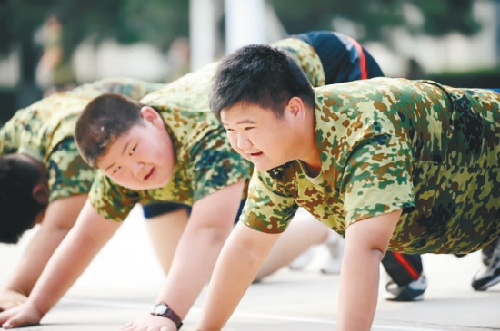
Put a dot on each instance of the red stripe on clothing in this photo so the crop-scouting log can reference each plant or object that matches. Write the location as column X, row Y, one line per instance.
column 362, row 59
column 408, row 267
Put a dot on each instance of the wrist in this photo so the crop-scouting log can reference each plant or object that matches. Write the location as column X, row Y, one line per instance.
column 162, row 309
column 38, row 309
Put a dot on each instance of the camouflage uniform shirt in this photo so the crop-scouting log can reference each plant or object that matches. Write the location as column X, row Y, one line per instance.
column 45, row 132
column 389, row 144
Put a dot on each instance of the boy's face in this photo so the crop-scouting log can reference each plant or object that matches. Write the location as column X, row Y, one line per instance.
column 142, row 158
column 261, row 137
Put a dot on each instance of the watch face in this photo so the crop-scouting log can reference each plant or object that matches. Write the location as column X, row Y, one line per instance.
column 159, row 309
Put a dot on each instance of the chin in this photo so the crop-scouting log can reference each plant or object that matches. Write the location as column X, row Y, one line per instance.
column 156, row 185
column 264, row 167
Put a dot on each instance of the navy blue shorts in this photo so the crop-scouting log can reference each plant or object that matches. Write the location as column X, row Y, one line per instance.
column 158, row 208
column 340, row 56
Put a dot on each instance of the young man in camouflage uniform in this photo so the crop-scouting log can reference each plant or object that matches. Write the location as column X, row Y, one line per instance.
column 167, row 147
column 43, row 179
column 341, row 59
column 388, row 163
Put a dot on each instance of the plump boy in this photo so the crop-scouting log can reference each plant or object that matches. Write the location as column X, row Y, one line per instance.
column 43, row 179
column 410, row 166
column 162, row 148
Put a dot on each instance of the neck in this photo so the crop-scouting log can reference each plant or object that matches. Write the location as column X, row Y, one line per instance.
column 309, row 152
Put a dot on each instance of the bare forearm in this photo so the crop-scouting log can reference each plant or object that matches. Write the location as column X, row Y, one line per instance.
column 34, row 259
column 192, row 267
column 365, row 244
column 234, row 272
column 358, row 290
column 67, row 264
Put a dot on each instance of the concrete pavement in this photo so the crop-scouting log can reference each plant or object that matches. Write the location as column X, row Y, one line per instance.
column 123, row 281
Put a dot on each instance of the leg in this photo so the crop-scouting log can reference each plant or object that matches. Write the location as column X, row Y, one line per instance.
column 335, row 245
column 302, row 233
column 406, row 280
column 165, row 227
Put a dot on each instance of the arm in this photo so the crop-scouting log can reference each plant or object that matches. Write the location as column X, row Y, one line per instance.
column 365, row 245
column 211, row 221
column 241, row 258
column 59, row 218
column 69, row 261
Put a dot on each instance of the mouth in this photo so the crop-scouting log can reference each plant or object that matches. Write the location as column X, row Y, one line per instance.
column 256, row 154
column 149, row 174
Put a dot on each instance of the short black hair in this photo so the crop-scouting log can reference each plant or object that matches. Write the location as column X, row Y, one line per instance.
column 18, row 207
column 260, row 75
column 103, row 120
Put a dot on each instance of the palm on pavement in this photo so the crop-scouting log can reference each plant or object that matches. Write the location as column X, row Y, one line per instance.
column 23, row 315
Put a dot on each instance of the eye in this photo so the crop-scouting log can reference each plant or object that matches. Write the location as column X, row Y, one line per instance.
column 229, row 130
column 249, row 128
column 132, row 151
column 117, row 169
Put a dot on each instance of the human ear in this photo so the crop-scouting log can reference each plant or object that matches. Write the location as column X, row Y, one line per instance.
column 41, row 193
column 148, row 114
column 295, row 107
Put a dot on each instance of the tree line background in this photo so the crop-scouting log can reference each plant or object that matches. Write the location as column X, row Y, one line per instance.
column 159, row 22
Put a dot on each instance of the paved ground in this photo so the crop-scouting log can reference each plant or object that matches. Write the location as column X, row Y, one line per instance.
column 124, row 279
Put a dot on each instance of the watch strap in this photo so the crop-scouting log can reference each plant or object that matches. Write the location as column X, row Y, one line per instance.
column 170, row 314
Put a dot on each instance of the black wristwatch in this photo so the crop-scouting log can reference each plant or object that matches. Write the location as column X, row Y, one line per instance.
column 162, row 309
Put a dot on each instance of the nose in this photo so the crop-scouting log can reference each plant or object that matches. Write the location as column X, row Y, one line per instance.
column 242, row 142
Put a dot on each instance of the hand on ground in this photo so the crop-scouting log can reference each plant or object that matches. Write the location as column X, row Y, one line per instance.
column 150, row 323
column 23, row 315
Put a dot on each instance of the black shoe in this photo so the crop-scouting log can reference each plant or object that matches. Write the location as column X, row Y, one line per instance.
column 411, row 292
column 488, row 275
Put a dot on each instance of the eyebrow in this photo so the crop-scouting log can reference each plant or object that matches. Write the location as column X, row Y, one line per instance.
column 126, row 145
column 241, row 122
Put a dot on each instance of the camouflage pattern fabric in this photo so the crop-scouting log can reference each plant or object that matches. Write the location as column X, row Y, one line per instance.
column 67, row 173
column 205, row 159
column 389, row 144
column 306, row 57
column 45, row 131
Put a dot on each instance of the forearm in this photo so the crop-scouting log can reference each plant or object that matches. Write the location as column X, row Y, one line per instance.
column 234, row 272
column 192, row 267
column 34, row 259
column 358, row 289
column 365, row 244
column 67, row 264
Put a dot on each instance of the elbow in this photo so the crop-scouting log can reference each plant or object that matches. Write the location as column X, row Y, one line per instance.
column 216, row 235
column 378, row 253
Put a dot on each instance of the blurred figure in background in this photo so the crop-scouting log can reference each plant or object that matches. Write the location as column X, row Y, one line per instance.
column 414, row 69
column 55, row 70
column 178, row 58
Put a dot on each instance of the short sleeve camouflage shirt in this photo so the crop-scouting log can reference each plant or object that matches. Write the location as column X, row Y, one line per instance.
column 389, row 144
